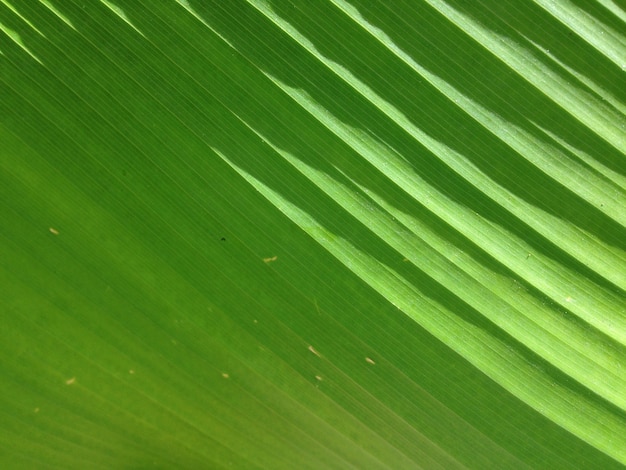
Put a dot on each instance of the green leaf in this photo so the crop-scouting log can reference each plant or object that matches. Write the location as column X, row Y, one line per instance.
column 328, row 234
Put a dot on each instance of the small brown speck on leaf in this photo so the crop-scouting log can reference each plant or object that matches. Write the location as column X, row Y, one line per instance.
column 318, row 377
column 270, row 260
column 369, row 361
column 312, row 349
column 225, row 375
column 70, row 381
column 53, row 231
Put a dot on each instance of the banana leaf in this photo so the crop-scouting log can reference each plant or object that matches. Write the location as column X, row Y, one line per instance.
column 327, row 234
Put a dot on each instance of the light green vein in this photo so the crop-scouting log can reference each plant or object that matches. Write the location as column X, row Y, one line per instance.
column 604, row 121
column 609, row 43
column 595, row 305
column 566, row 345
column 590, row 422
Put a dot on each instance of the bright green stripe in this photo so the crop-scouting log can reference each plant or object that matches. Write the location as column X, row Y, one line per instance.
column 614, row 8
column 597, row 256
column 603, row 302
column 610, row 43
column 598, row 191
column 590, row 420
column 612, row 388
column 592, row 303
column 603, row 120
column 546, row 157
column 566, row 344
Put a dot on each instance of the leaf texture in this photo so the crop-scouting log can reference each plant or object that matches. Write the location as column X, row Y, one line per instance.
column 328, row 234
